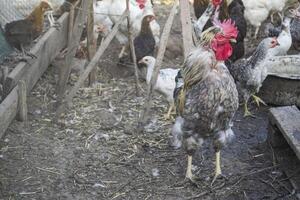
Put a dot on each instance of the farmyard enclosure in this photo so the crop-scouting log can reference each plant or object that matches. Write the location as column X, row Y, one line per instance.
column 82, row 138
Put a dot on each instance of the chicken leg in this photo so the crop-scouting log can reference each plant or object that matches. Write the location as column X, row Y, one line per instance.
column 218, row 171
column 52, row 21
column 122, row 51
column 246, row 111
column 189, row 174
column 256, row 32
column 26, row 53
column 258, row 100
column 168, row 116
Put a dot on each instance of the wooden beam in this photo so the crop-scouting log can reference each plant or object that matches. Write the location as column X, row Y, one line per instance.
column 132, row 50
column 73, row 43
column 92, row 64
column 186, row 24
column 91, row 41
column 22, row 102
column 159, row 59
column 46, row 50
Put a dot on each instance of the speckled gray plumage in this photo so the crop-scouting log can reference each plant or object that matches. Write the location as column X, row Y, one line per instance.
column 250, row 73
column 210, row 105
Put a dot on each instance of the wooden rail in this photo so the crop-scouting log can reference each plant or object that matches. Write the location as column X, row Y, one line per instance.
column 91, row 65
column 159, row 59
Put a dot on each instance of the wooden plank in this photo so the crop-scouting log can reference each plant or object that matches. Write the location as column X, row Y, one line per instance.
column 91, row 41
column 73, row 43
column 8, row 110
column 159, row 59
column 46, row 50
column 132, row 50
column 186, row 24
column 287, row 119
column 92, row 64
column 22, row 102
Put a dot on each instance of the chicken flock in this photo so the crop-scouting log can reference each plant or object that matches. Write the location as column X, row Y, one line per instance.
column 205, row 92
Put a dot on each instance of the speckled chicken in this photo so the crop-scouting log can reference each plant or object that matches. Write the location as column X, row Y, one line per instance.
column 250, row 73
column 209, row 98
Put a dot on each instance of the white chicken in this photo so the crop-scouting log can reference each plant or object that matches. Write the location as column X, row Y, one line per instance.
column 165, row 83
column 256, row 11
column 114, row 8
column 284, row 39
column 276, row 7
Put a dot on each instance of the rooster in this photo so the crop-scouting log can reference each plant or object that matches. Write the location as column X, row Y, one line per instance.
column 233, row 9
column 250, row 73
column 21, row 33
column 165, row 83
column 209, row 98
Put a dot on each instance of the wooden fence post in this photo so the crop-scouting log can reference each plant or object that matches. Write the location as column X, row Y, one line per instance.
column 75, row 30
column 132, row 50
column 186, row 24
column 22, row 103
column 159, row 59
column 91, row 41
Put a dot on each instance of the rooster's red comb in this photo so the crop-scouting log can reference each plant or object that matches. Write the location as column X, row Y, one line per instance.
column 228, row 27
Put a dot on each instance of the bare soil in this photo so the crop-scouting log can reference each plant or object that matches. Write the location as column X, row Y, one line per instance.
column 95, row 152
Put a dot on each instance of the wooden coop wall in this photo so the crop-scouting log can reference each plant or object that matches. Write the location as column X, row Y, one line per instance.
column 46, row 50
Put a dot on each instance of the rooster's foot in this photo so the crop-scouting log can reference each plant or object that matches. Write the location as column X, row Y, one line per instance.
column 258, row 100
column 218, row 176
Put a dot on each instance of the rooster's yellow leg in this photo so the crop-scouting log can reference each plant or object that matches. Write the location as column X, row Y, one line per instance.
column 189, row 174
column 168, row 115
column 258, row 100
column 218, row 170
column 247, row 112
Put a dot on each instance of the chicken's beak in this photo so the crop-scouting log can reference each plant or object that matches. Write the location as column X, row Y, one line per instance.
column 232, row 40
column 140, row 62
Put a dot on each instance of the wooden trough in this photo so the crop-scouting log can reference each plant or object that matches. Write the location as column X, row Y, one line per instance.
column 282, row 86
column 46, row 50
column 281, row 91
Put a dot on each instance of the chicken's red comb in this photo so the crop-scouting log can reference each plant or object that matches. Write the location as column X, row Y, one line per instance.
column 228, row 27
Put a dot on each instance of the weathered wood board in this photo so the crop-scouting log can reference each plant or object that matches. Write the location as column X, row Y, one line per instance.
column 287, row 120
column 46, row 50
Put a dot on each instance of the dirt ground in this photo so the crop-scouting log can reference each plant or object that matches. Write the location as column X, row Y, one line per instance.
column 95, row 152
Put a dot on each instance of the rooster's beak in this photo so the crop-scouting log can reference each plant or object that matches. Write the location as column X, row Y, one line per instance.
column 140, row 62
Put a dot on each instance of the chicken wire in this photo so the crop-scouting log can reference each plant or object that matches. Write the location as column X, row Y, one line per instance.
column 12, row 10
